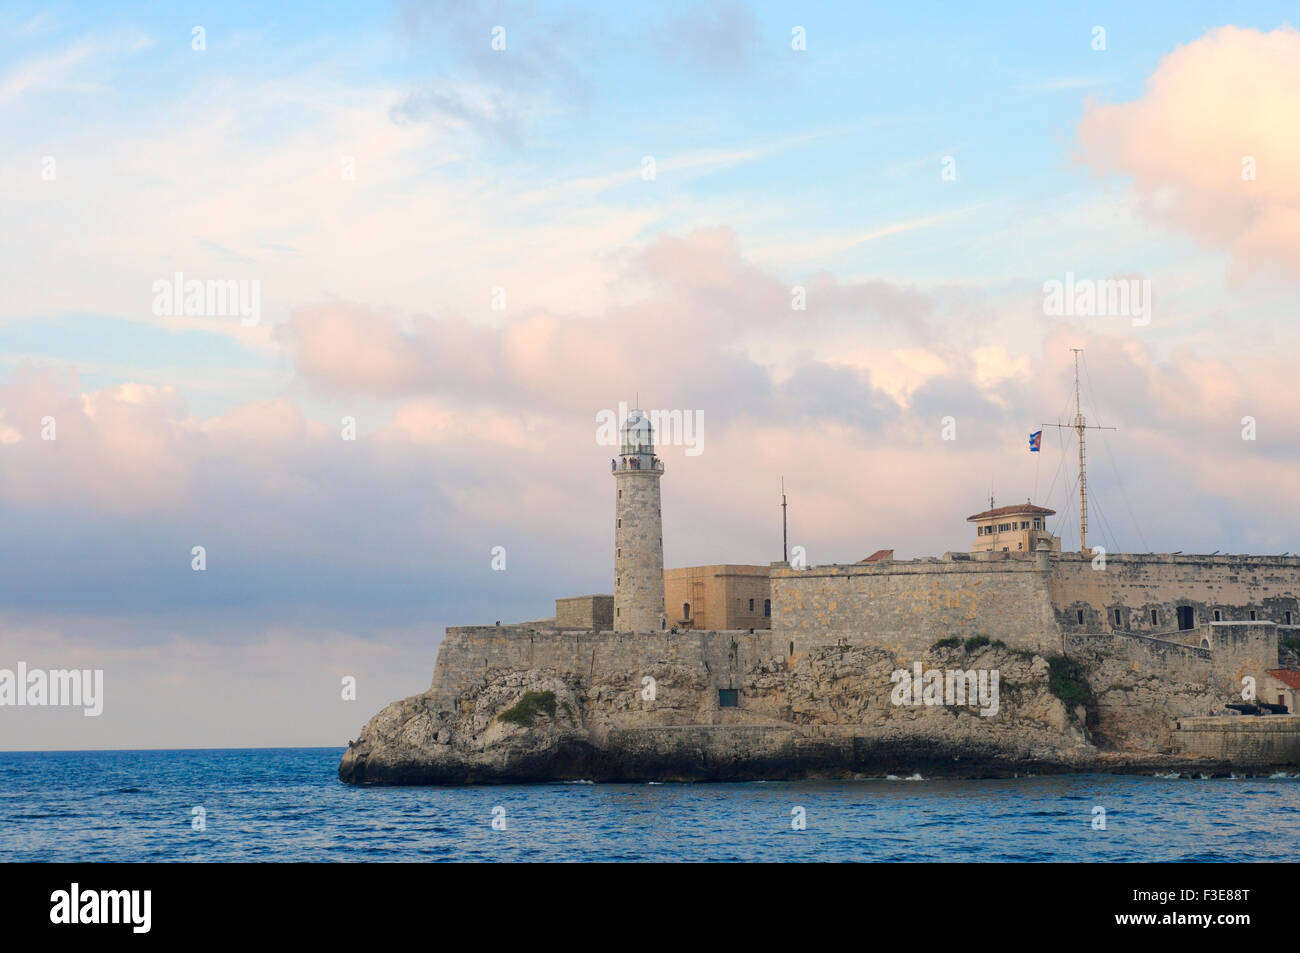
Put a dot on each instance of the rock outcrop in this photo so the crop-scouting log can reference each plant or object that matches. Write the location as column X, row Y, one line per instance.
column 828, row 712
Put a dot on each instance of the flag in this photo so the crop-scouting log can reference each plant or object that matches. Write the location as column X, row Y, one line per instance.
column 1035, row 442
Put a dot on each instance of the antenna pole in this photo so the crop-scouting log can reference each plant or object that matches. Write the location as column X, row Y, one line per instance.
column 785, row 538
column 1083, row 472
column 1079, row 426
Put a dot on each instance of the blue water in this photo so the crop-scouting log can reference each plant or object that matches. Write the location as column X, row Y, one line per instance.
column 288, row 805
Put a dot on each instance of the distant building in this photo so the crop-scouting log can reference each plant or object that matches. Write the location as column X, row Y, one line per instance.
column 719, row 597
column 879, row 556
column 1013, row 529
column 1283, row 688
column 585, row 612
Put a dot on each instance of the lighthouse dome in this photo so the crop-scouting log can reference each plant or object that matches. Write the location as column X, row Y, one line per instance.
column 637, row 433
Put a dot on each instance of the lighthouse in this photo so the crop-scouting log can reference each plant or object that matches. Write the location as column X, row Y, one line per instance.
column 638, row 530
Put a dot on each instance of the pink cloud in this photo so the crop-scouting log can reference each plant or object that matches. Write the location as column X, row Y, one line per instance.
column 1212, row 108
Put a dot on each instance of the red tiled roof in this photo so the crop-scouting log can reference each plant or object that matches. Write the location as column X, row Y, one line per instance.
column 1025, row 508
column 1288, row 677
column 878, row 556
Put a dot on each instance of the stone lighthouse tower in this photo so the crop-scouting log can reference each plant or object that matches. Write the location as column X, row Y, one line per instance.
column 638, row 530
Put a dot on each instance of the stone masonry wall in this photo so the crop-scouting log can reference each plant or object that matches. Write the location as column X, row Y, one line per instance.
column 1271, row 738
column 470, row 655
column 584, row 612
column 1134, row 585
column 638, row 552
column 908, row 606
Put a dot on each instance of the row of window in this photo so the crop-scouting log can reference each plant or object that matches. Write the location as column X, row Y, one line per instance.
column 1186, row 617
column 1007, row 527
column 767, row 608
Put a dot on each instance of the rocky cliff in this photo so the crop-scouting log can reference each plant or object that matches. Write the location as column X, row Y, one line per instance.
column 538, row 706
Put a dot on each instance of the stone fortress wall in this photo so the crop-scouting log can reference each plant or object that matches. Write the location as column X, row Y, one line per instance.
column 1031, row 603
column 908, row 606
column 1135, row 586
column 1047, row 602
column 470, row 656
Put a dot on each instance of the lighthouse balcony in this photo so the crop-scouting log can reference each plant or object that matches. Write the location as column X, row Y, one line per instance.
column 636, row 463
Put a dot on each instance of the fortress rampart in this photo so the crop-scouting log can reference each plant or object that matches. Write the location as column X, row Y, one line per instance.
column 1032, row 604
column 471, row 656
column 1135, row 586
column 1271, row 740
column 908, row 606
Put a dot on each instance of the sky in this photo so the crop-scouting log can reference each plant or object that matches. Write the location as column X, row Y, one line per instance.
column 824, row 233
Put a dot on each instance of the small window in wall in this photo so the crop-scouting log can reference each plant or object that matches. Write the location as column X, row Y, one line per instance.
column 1038, row 523
column 1218, row 615
column 1118, row 619
column 620, row 523
column 1288, row 616
column 751, row 605
column 1186, row 617
column 767, row 608
column 728, row 698
column 1079, row 613
column 1155, row 616
column 1252, row 615
column 620, row 494
column 686, row 610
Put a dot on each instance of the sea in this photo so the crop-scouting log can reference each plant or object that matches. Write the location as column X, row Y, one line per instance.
column 287, row 804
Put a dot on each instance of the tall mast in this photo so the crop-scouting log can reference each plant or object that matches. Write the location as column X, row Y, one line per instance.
column 785, row 547
column 1079, row 426
column 1083, row 469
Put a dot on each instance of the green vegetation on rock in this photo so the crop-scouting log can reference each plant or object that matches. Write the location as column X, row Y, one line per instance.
column 1066, row 681
column 529, row 707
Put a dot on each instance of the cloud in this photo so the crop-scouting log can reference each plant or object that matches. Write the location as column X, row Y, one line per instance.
column 710, row 37
column 695, row 306
column 48, row 72
column 1212, row 107
column 506, row 61
column 65, row 69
